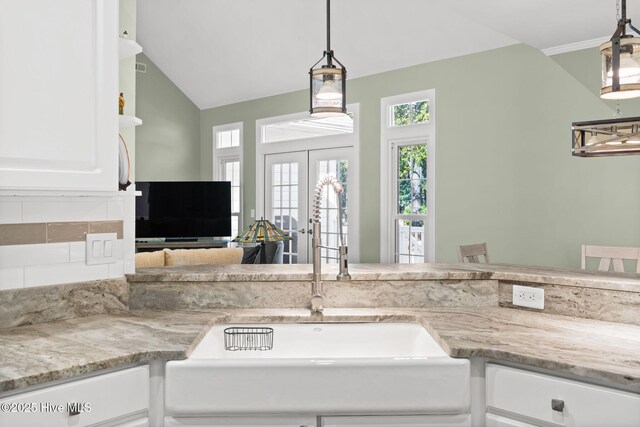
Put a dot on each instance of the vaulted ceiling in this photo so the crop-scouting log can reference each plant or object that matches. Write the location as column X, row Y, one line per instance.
column 220, row 52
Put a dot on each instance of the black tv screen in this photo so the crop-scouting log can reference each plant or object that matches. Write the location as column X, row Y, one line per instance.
column 186, row 209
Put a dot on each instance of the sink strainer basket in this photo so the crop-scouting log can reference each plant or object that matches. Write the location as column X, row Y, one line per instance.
column 238, row 339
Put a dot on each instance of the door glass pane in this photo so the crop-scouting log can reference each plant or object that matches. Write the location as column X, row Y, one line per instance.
column 329, row 207
column 285, row 206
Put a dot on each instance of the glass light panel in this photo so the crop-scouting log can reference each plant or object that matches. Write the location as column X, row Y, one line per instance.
column 629, row 70
column 327, row 92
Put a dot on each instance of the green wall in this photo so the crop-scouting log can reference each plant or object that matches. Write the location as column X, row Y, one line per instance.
column 505, row 174
column 168, row 142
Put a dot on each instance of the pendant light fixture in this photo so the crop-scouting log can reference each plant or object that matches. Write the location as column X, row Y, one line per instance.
column 327, row 83
column 621, row 60
column 600, row 138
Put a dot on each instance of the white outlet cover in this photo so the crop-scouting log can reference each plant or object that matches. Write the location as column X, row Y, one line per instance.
column 527, row 296
column 96, row 245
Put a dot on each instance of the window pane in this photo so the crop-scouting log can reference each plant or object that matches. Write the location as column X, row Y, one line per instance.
column 401, row 115
column 410, row 241
column 412, row 183
column 228, row 138
column 410, row 113
column 420, row 112
column 234, row 138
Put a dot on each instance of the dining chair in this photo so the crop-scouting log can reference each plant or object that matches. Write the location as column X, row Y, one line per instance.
column 470, row 253
column 608, row 254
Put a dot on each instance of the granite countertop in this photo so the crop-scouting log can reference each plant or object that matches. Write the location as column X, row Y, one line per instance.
column 600, row 351
column 369, row 272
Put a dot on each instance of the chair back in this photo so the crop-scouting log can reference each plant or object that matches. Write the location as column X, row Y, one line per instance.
column 470, row 253
column 608, row 254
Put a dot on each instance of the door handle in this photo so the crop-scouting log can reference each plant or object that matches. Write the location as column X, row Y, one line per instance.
column 302, row 230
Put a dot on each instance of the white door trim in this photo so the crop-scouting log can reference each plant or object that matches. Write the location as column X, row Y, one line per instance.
column 319, row 143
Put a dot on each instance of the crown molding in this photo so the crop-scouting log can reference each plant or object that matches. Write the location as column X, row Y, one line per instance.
column 586, row 44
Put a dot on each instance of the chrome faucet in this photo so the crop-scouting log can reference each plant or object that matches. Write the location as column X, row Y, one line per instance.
column 317, row 298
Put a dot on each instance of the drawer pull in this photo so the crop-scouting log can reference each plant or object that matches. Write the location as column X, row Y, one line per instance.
column 557, row 405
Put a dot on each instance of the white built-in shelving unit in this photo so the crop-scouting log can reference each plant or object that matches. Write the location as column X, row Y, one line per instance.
column 126, row 49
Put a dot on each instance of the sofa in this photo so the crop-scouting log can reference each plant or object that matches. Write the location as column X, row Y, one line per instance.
column 240, row 255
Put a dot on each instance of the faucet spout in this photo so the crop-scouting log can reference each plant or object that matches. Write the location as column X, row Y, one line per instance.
column 317, row 299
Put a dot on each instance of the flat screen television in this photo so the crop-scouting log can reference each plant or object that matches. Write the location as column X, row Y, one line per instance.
column 185, row 210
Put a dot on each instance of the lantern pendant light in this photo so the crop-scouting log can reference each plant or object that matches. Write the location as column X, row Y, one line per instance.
column 621, row 61
column 327, row 83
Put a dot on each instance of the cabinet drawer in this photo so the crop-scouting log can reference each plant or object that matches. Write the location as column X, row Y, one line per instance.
column 530, row 394
column 104, row 397
column 399, row 421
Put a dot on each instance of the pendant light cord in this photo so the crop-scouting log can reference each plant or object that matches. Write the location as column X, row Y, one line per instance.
column 328, row 25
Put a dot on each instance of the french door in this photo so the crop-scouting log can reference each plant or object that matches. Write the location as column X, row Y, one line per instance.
column 290, row 180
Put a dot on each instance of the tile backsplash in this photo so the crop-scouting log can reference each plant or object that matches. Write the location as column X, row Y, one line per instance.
column 42, row 238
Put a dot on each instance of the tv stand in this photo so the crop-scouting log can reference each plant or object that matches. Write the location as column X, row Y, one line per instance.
column 180, row 239
column 180, row 244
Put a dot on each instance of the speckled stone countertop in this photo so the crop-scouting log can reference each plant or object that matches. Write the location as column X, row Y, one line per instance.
column 600, row 351
column 370, row 272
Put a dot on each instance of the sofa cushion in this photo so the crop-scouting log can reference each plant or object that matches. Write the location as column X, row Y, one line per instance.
column 203, row 256
column 150, row 259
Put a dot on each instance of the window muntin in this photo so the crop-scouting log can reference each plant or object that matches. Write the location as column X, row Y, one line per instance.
column 410, row 113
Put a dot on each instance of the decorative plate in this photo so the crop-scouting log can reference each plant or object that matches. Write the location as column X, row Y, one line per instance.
column 124, row 166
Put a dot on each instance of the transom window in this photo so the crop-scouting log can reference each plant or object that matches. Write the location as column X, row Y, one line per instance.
column 308, row 127
column 228, row 138
column 410, row 113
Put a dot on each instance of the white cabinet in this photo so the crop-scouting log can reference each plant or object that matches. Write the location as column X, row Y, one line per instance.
column 399, row 421
column 498, row 421
column 539, row 398
column 97, row 399
column 59, row 103
column 261, row 421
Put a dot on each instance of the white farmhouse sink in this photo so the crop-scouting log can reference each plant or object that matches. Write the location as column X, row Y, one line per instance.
column 346, row 368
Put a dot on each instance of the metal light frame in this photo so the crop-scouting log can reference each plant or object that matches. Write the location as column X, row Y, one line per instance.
column 328, row 72
column 610, row 51
column 599, row 138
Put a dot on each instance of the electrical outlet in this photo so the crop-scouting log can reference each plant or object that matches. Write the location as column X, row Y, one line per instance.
column 526, row 296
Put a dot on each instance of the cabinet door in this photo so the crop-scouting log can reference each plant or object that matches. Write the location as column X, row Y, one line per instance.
column 532, row 395
column 59, row 86
column 399, row 421
column 498, row 421
column 97, row 399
